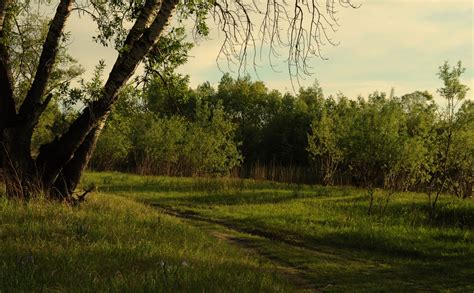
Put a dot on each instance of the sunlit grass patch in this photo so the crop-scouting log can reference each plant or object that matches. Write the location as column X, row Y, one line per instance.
column 390, row 244
column 119, row 239
column 111, row 243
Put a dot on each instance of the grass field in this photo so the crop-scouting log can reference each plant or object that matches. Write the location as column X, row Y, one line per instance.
column 182, row 234
column 115, row 244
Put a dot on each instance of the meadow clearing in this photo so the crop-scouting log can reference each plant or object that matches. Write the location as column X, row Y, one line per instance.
column 150, row 104
column 144, row 233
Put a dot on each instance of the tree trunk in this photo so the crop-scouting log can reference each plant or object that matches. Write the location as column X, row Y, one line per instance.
column 17, row 163
column 58, row 168
column 71, row 174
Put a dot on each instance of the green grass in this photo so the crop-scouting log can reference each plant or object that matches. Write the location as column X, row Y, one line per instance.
column 116, row 244
column 326, row 232
column 122, row 240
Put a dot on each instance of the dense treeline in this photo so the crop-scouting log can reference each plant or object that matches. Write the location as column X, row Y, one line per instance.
column 177, row 130
column 391, row 142
column 243, row 128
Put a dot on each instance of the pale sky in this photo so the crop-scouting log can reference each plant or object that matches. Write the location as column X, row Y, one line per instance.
column 383, row 44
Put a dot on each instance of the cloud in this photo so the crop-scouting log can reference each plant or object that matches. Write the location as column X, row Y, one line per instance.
column 398, row 43
column 383, row 44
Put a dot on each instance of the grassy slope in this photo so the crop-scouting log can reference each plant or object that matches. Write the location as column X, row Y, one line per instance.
column 327, row 232
column 116, row 244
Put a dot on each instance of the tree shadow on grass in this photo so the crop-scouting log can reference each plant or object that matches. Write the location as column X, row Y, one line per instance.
column 342, row 269
column 117, row 182
column 245, row 197
column 451, row 215
column 379, row 243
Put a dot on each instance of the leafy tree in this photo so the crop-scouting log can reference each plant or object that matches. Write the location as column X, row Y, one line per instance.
column 461, row 166
column 210, row 147
column 285, row 135
column 454, row 92
column 244, row 103
column 159, row 143
column 324, row 146
column 133, row 27
column 176, row 145
column 170, row 96
column 372, row 139
column 271, row 127
column 415, row 165
column 313, row 98
column 115, row 143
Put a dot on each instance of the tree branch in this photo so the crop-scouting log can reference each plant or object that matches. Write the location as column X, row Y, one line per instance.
column 71, row 173
column 54, row 155
column 32, row 107
column 147, row 13
column 301, row 26
column 7, row 103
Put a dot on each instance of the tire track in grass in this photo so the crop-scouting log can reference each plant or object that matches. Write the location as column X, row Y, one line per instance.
column 191, row 215
column 252, row 239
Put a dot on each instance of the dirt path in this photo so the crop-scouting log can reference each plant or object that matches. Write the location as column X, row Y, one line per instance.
column 247, row 239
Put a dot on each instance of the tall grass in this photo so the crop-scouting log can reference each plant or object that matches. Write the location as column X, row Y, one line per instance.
column 329, row 231
column 276, row 172
column 116, row 244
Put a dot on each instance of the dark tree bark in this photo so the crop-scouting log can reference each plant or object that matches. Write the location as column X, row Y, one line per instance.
column 59, row 166
column 17, row 129
column 71, row 153
column 71, row 173
column 7, row 105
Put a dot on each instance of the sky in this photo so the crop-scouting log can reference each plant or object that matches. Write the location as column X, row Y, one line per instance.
column 384, row 44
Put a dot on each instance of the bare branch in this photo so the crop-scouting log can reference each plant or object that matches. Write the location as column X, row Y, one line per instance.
column 301, row 29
